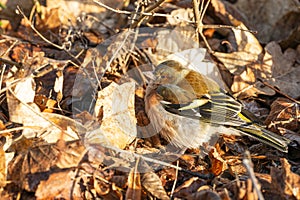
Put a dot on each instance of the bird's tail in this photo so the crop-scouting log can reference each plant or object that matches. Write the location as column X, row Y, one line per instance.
column 265, row 136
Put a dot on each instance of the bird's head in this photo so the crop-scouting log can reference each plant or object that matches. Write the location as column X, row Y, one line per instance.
column 169, row 72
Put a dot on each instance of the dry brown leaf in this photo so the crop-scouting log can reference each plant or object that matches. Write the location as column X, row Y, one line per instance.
column 70, row 10
column 236, row 166
column 188, row 187
column 70, row 154
column 61, row 185
column 33, row 157
column 186, row 14
column 245, row 65
column 273, row 19
column 218, row 165
column 276, row 68
column 2, row 167
column 285, row 181
column 22, row 110
column 285, row 74
column 118, row 127
column 106, row 190
column 277, row 62
column 247, row 52
column 152, row 183
column 284, row 114
column 204, row 194
column 172, row 41
column 134, row 190
column 30, row 160
column 10, row 14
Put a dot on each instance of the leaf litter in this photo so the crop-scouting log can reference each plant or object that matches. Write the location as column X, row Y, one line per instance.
column 73, row 124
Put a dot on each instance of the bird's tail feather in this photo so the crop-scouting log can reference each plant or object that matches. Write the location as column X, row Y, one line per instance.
column 265, row 136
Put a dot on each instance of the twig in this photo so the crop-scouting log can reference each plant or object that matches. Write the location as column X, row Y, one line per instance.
column 175, row 181
column 150, row 10
column 249, row 166
column 3, row 132
column 10, row 48
column 129, row 32
column 170, row 16
column 45, row 39
column 152, row 160
column 37, row 32
column 142, row 13
column 199, row 15
column 10, row 62
column 278, row 91
column 2, row 74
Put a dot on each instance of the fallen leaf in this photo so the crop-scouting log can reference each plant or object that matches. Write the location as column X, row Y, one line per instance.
column 276, row 68
column 2, row 167
column 70, row 154
column 204, row 194
column 284, row 114
column 247, row 52
column 10, row 14
column 285, row 181
column 273, row 19
column 218, row 165
column 188, row 187
column 134, row 190
column 152, row 183
column 61, row 185
column 118, row 127
column 182, row 14
column 33, row 157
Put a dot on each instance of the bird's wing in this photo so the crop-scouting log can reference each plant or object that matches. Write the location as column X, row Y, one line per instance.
column 219, row 108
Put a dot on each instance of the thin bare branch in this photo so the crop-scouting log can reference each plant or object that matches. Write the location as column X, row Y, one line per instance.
column 37, row 32
column 249, row 166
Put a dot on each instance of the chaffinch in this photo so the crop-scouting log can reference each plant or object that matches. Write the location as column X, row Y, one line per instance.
column 188, row 108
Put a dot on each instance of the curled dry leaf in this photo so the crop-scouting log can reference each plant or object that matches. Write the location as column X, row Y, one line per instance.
column 284, row 114
column 152, row 183
column 218, row 165
column 247, row 53
column 49, row 126
column 274, row 67
column 118, row 127
column 188, row 187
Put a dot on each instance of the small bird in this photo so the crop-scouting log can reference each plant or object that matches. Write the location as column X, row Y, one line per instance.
column 188, row 108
